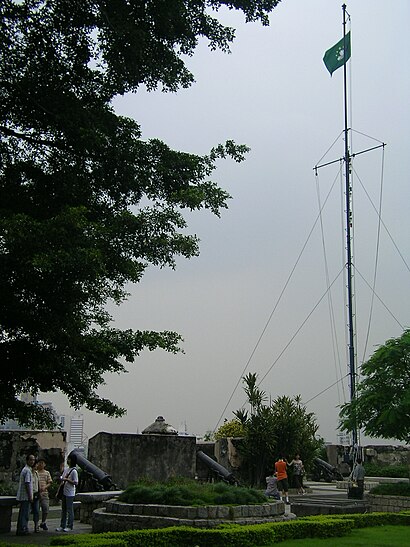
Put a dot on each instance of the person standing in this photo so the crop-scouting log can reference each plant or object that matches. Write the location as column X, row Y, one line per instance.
column 45, row 481
column 25, row 496
column 70, row 480
column 298, row 471
column 282, row 476
column 35, row 506
column 358, row 476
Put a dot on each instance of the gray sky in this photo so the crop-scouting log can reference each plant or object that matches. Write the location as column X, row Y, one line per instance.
column 274, row 94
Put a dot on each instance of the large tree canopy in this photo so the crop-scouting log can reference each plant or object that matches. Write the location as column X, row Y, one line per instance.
column 382, row 402
column 86, row 204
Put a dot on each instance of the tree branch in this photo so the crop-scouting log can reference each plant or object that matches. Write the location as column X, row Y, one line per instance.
column 32, row 140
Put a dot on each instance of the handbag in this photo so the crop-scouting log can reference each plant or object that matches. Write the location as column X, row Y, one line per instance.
column 60, row 490
column 59, row 493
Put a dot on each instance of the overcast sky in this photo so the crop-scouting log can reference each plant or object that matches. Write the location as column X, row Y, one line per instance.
column 274, row 94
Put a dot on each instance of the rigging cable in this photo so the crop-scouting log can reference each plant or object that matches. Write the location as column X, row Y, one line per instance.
column 385, row 227
column 333, row 330
column 300, row 327
column 381, row 301
column 376, row 258
column 275, row 306
column 340, row 380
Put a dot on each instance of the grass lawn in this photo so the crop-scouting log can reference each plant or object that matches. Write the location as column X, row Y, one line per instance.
column 378, row 536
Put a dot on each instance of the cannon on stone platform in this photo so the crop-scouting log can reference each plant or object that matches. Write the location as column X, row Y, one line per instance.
column 92, row 477
column 326, row 471
column 219, row 470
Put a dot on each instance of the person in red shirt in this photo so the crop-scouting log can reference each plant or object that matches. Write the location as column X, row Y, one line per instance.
column 282, row 476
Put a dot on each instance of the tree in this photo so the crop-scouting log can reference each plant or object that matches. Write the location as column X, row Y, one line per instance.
column 381, row 405
column 282, row 427
column 86, row 204
column 233, row 428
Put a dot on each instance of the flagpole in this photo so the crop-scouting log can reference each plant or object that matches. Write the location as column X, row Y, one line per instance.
column 349, row 225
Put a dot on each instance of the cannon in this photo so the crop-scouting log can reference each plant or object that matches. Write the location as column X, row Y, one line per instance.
column 92, row 478
column 217, row 468
column 324, row 470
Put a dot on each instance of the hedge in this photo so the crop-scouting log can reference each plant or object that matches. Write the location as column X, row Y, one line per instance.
column 229, row 535
column 368, row 520
column 232, row 535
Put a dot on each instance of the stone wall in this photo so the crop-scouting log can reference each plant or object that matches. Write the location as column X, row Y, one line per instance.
column 202, row 471
column 389, row 504
column 378, row 454
column 15, row 445
column 90, row 501
column 127, row 457
column 117, row 516
column 227, row 453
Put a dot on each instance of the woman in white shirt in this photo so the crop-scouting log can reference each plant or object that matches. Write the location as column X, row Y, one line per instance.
column 70, row 480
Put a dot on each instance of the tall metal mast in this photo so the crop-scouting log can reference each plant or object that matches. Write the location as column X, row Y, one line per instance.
column 349, row 225
column 347, row 158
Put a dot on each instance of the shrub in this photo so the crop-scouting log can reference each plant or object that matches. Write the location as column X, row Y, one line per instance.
column 366, row 520
column 232, row 535
column 234, row 428
column 320, row 527
column 52, row 489
column 396, row 489
column 8, row 488
column 183, row 536
column 100, row 542
column 190, row 492
column 395, row 471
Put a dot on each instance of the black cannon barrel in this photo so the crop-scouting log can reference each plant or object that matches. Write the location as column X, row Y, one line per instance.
column 329, row 471
column 322, row 463
column 225, row 475
column 101, row 476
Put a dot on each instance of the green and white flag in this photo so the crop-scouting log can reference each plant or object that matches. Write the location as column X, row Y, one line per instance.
column 338, row 55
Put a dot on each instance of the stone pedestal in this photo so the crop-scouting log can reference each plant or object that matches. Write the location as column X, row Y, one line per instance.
column 6, row 509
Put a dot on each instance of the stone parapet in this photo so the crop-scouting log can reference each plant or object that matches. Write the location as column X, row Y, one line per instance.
column 6, row 510
column 90, row 501
column 118, row 516
column 389, row 504
column 343, row 485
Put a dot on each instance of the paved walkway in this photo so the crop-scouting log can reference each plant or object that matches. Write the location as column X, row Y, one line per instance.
column 42, row 538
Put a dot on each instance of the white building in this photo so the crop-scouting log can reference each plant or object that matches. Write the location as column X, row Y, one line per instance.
column 76, row 433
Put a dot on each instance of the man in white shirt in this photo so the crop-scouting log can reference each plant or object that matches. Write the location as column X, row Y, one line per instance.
column 25, row 496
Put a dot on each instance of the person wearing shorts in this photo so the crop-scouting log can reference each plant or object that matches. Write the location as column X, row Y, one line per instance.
column 282, row 476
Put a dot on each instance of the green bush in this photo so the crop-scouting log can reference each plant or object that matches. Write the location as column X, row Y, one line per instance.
column 234, row 428
column 228, row 535
column 367, row 520
column 190, row 492
column 52, row 489
column 396, row 489
column 395, row 471
column 322, row 527
column 233, row 535
column 101, row 542
column 8, row 488
column 183, row 536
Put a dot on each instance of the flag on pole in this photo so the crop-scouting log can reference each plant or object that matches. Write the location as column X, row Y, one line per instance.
column 338, row 55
